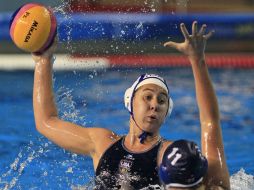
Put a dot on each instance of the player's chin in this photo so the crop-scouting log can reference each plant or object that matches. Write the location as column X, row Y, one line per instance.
column 152, row 127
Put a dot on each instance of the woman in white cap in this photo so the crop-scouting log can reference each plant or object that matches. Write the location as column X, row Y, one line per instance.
column 131, row 162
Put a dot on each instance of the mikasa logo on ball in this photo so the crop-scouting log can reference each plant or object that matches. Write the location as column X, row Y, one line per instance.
column 33, row 27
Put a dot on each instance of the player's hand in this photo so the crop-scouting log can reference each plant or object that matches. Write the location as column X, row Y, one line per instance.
column 195, row 43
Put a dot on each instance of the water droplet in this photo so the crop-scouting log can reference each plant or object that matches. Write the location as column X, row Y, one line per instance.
column 69, row 170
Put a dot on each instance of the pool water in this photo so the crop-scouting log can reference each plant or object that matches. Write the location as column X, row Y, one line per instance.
column 95, row 98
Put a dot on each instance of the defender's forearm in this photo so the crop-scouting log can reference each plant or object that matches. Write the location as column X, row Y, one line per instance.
column 211, row 134
column 206, row 98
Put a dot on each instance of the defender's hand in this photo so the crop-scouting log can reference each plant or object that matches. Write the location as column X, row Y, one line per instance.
column 194, row 44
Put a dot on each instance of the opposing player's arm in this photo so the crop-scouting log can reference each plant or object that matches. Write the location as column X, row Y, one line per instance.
column 212, row 143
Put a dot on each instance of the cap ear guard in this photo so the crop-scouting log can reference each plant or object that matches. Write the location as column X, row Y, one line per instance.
column 170, row 106
column 127, row 99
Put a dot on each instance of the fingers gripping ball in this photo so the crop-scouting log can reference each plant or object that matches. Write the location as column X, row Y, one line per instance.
column 33, row 28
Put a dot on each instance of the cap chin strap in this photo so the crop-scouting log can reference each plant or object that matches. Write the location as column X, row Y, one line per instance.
column 142, row 137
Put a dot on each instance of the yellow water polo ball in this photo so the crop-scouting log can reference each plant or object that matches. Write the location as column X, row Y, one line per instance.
column 33, row 27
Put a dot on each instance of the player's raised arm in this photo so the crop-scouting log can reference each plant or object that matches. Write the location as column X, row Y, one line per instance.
column 89, row 141
column 211, row 136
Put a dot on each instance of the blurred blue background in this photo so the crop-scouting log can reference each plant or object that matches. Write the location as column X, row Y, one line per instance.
column 96, row 23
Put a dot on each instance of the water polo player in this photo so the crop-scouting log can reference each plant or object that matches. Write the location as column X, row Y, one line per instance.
column 183, row 166
column 131, row 161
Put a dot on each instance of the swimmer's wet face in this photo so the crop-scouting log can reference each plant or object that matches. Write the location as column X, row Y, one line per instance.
column 142, row 80
column 147, row 128
column 150, row 105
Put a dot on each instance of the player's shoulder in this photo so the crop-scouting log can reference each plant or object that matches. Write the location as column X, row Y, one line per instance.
column 104, row 133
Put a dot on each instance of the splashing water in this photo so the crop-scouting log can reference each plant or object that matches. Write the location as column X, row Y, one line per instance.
column 33, row 158
column 242, row 181
column 61, row 10
column 41, row 148
column 26, row 155
column 67, row 106
column 140, row 29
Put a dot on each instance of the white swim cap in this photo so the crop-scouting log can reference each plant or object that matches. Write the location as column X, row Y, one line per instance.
column 142, row 80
